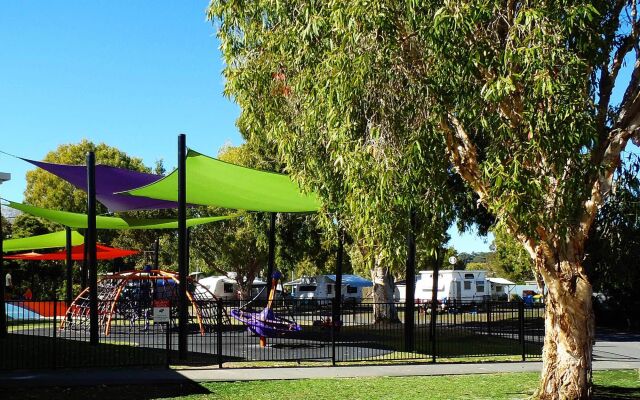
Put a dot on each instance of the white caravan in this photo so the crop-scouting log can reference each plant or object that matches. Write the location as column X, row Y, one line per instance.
column 455, row 285
column 224, row 287
column 501, row 288
column 221, row 286
column 322, row 287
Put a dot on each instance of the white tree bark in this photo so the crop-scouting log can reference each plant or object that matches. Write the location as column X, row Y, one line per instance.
column 384, row 309
column 569, row 327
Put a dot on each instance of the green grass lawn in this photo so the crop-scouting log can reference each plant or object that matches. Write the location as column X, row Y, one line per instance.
column 608, row 385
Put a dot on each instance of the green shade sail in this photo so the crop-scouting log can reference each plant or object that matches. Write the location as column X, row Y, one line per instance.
column 76, row 220
column 46, row 241
column 213, row 182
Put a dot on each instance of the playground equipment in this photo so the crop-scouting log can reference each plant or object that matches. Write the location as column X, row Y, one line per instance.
column 266, row 323
column 129, row 295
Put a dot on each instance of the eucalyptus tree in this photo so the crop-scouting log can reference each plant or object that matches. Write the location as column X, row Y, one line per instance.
column 511, row 259
column 341, row 126
column 7, row 227
column 520, row 94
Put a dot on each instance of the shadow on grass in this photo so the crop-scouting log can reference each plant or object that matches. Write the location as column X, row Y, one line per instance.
column 125, row 392
column 607, row 392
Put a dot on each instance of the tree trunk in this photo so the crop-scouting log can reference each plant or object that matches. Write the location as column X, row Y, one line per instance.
column 245, row 283
column 569, row 333
column 384, row 308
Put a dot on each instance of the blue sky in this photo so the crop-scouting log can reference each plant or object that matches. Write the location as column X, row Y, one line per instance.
column 130, row 74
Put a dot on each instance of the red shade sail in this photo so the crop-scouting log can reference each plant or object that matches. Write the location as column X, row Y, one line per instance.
column 77, row 254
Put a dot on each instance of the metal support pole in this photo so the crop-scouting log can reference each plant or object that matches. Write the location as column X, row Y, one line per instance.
column 187, row 254
column 183, row 268
column 85, row 257
column 333, row 337
column 272, row 251
column 91, row 251
column 156, row 253
column 337, row 309
column 3, row 313
column 168, row 342
column 54, row 358
column 219, row 306
column 410, row 276
column 489, row 317
column 521, row 329
column 434, row 301
column 69, row 296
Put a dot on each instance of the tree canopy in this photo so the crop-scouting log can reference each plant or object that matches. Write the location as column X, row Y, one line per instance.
column 373, row 103
column 613, row 251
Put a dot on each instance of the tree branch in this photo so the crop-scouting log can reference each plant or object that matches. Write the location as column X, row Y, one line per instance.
column 602, row 185
column 608, row 77
column 608, row 73
column 630, row 106
column 464, row 155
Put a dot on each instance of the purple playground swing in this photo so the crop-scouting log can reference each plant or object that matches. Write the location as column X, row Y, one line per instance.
column 266, row 323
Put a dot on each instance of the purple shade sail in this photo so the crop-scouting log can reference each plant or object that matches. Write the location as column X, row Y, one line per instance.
column 109, row 180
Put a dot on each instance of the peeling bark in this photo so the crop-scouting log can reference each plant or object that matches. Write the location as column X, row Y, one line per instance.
column 569, row 327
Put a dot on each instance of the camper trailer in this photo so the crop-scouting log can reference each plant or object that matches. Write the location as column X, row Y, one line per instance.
column 221, row 286
column 322, row 287
column 464, row 286
column 501, row 288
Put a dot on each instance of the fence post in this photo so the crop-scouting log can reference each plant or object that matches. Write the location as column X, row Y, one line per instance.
column 333, row 335
column 455, row 313
column 219, row 331
column 168, row 341
column 489, row 318
column 55, row 332
column 521, row 329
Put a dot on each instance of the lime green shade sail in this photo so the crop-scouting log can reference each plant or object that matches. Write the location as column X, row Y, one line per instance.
column 76, row 220
column 46, row 241
column 212, row 182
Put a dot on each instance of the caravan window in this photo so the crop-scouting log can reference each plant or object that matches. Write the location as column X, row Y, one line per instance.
column 468, row 276
column 498, row 288
column 467, row 285
column 307, row 288
column 228, row 287
column 480, row 286
column 329, row 289
column 352, row 289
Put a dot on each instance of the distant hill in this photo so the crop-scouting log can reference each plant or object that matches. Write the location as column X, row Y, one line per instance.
column 475, row 257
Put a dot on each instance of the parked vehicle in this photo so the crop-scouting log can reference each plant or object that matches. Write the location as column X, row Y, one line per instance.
column 323, row 287
column 221, row 286
column 453, row 285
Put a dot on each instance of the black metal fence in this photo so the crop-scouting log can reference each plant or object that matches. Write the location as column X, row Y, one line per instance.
column 44, row 335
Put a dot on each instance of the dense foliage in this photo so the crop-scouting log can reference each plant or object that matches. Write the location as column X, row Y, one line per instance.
column 363, row 99
column 613, row 251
